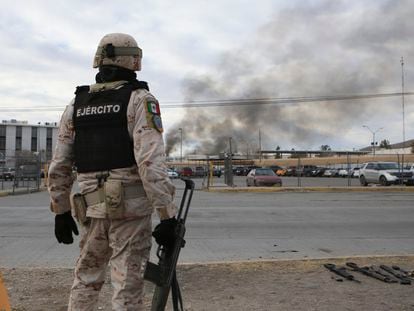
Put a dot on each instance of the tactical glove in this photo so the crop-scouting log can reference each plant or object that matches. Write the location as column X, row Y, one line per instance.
column 164, row 232
column 64, row 225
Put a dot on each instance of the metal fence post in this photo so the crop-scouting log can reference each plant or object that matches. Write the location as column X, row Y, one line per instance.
column 348, row 169
column 298, row 173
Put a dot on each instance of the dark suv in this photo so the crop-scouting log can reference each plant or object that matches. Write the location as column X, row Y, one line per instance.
column 200, row 172
column 307, row 170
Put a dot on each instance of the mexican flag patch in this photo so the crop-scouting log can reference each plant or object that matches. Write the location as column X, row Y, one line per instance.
column 153, row 107
column 154, row 115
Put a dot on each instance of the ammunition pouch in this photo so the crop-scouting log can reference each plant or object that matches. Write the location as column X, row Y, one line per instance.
column 77, row 201
column 114, row 199
column 112, row 196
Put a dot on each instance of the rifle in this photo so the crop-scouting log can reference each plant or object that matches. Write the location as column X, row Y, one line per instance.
column 163, row 274
column 369, row 272
column 340, row 271
column 404, row 280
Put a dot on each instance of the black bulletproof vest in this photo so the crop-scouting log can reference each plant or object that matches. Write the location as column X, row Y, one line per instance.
column 102, row 141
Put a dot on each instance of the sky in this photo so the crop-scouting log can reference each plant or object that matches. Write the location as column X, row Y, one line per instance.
column 196, row 51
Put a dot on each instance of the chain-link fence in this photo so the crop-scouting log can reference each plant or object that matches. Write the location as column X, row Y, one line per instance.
column 328, row 171
column 24, row 172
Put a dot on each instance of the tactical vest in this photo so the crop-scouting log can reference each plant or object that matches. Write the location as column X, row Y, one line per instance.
column 102, row 141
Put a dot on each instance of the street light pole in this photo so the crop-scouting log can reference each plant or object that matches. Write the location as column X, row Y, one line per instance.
column 403, row 117
column 181, row 144
column 402, row 99
column 373, row 137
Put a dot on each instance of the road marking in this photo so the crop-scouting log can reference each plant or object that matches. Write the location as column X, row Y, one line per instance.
column 4, row 300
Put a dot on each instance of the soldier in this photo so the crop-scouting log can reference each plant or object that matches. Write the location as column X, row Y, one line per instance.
column 111, row 134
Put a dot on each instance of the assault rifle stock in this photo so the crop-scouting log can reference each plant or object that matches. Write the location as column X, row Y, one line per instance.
column 163, row 274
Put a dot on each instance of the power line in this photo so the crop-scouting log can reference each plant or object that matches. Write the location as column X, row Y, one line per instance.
column 235, row 102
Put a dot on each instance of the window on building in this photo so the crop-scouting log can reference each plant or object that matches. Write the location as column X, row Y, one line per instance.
column 18, row 138
column 49, row 132
column 3, row 139
column 34, row 139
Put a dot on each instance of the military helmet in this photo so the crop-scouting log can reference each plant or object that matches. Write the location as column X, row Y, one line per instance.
column 118, row 49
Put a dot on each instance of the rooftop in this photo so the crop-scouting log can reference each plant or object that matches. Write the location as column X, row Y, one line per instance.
column 26, row 123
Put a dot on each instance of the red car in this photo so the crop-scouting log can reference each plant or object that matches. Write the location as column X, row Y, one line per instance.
column 263, row 177
column 186, row 172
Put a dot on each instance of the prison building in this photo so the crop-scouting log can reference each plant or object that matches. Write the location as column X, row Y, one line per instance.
column 19, row 138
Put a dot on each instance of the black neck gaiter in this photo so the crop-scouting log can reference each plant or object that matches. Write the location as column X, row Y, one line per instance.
column 109, row 73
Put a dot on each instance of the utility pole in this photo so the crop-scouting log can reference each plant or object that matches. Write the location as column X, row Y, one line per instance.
column 230, row 166
column 403, row 117
column 402, row 99
column 260, row 145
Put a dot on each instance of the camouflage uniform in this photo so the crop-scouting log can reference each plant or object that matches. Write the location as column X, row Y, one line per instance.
column 125, row 242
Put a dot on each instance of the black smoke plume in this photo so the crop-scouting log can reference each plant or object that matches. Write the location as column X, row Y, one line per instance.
column 332, row 48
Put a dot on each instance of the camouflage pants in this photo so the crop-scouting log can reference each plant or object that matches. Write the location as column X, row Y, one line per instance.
column 126, row 245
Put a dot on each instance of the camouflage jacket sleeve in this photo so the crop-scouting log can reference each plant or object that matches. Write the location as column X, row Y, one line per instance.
column 61, row 178
column 150, row 156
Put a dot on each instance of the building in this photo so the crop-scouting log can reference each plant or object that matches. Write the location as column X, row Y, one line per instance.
column 19, row 138
column 406, row 147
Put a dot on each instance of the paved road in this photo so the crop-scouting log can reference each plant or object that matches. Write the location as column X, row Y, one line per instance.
column 238, row 226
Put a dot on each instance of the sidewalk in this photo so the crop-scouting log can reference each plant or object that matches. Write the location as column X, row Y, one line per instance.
column 299, row 285
column 6, row 192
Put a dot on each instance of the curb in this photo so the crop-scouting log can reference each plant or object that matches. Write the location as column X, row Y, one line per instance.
column 300, row 265
column 310, row 189
column 6, row 193
column 301, row 262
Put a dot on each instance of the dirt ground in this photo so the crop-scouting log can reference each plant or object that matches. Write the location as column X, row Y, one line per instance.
column 276, row 285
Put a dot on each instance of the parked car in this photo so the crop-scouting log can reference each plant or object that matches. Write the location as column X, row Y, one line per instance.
column 307, row 170
column 186, row 172
column 7, row 173
column 249, row 168
column 28, row 172
column 172, row 174
column 343, row 172
column 217, row 172
column 409, row 167
column 319, row 171
column 281, row 172
column 263, row 177
column 330, row 172
column 240, row 171
column 275, row 168
column 200, row 172
column 355, row 172
column 291, row 171
column 384, row 173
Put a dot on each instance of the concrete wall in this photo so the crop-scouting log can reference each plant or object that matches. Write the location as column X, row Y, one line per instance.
column 393, row 151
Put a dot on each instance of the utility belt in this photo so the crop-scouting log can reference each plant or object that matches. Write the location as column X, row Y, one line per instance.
column 111, row 196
